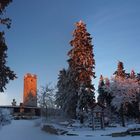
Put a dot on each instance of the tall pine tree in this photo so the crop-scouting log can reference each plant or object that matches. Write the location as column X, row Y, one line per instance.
column 104, row 94
column 120, row 75
column 61, row 85
column 101, row 90
column 66, row 97
column 82, row 64
column 6, row 73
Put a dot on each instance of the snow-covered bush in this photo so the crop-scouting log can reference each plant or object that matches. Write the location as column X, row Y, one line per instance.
column 5, row 117
column 123, row 91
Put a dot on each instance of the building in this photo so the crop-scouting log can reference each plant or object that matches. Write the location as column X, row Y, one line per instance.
column 29, row 105
column 97, row 116
column 30, row 90
column 22, row 110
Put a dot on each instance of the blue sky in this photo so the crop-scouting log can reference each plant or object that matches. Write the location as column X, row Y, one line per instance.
column 39, row 38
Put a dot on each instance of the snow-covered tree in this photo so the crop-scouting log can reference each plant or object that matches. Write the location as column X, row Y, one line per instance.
column 66, row 96
column 75, row 88
column 138, row 77
column 46, row 98
column 108, row 97
column 132, row 74
column 5, row 116
column 120, row 72
column 105, row 96
column 124, row 92
column 62, row 88
column 133, row 109
column 82, row 64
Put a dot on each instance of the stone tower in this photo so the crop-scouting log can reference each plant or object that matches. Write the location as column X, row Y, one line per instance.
column 30, row 90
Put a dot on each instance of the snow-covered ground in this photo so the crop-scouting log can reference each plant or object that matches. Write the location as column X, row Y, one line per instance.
column 26, row 130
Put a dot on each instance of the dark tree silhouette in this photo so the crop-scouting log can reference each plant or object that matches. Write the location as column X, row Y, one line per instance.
column 101, row 90
column 14, row 102
column 6, row 74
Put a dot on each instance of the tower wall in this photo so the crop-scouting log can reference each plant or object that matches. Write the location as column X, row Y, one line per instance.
column 30, row 90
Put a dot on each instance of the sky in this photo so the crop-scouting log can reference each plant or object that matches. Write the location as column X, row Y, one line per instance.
column 38, row 40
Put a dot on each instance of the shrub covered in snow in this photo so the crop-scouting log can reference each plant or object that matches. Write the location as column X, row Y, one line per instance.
column 5, row 117
column 123, row 91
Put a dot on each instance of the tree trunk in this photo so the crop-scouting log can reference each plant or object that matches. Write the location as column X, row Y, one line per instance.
column 122, row 115
column 46, row 112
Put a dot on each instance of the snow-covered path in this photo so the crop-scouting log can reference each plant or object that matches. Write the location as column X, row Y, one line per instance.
column 26, row 130
column 23, row 130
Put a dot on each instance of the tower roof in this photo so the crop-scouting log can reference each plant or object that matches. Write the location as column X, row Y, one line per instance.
column 30, row 75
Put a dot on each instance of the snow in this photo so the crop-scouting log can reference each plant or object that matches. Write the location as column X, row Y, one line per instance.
column 27, row 130
column 23, row 130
